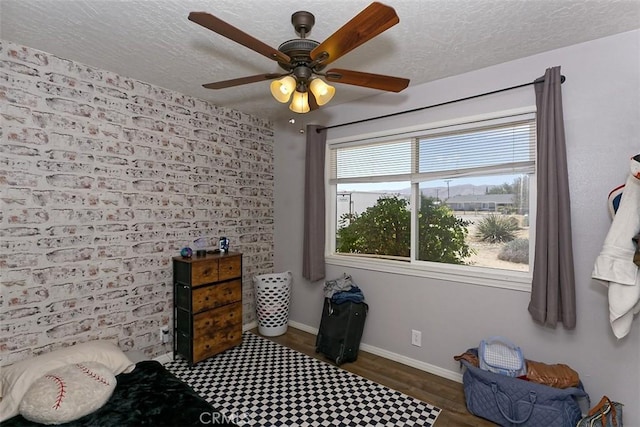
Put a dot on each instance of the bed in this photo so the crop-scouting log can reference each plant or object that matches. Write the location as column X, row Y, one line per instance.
column 145, row 394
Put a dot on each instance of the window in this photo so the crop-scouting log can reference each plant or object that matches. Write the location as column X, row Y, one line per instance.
column 456, row 198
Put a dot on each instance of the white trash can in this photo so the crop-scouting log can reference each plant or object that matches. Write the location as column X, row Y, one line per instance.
column 273, row 293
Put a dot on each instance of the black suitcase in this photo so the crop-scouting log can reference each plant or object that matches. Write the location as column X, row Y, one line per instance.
column 340, row 330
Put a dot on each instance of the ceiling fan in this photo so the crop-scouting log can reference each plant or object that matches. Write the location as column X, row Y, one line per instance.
column 304, row 59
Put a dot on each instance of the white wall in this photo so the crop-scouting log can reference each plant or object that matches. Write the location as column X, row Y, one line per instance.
column 602, row 122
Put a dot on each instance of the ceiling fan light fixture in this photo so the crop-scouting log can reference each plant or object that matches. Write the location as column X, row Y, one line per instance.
column 303, row 58
column 300, row 102
column 322, row 91
column 283, row 88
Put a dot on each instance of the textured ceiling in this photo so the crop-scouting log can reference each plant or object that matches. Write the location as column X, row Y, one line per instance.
column 152, row 40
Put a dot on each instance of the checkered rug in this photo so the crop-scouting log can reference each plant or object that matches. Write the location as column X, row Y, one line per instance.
column 262, row 383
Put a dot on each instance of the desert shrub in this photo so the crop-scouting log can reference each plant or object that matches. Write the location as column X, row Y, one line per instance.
column 497, row 228
column 516, row 250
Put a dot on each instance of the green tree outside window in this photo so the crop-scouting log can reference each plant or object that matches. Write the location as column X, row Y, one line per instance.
column 385, row 229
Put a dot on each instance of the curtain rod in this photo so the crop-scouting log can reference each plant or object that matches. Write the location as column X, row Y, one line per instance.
column 540, row 80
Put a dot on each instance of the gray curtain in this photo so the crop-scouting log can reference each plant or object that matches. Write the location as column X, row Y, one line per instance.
column 314, row 204
column 553, row 296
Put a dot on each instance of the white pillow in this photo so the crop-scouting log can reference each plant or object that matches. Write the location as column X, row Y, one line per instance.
column 16, row 379
column 68, row 393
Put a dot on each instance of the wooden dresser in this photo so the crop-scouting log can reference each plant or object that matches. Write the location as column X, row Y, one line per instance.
column 207, row 298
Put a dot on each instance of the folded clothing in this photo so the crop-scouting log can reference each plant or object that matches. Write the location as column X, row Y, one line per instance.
column 342, row 290
column 343, row 283
column 557, row 375
column 353, row 294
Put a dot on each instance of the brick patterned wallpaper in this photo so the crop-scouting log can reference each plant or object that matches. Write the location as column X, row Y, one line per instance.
column 102, row 180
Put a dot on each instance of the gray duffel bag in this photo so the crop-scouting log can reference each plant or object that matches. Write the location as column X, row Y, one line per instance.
column 510, row 401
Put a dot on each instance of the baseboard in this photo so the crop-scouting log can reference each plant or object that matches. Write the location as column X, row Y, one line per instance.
column 249, row 326
column 423, row 366
column 303, row 327
column 164, row 358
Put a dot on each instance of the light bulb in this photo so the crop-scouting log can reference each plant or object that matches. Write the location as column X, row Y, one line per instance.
column 300, row 103
column 283, row 88
column 322, row 91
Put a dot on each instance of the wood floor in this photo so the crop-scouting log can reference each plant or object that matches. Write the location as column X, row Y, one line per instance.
column 443, row 393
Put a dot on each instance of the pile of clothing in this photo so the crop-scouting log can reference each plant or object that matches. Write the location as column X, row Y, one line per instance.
column 342, row 290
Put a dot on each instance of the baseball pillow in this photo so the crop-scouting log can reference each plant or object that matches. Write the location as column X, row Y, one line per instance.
column 68, row 393
column 17, row 378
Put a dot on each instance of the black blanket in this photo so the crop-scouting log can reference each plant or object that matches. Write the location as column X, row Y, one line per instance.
column 148, row 396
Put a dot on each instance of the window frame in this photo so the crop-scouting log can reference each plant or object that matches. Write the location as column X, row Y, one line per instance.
column 467, row 274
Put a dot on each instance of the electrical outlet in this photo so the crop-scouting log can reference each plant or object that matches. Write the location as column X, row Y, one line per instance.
column 416, row 338
column 164, row 334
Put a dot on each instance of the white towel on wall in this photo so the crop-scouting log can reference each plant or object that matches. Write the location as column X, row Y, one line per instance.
column 615, row 264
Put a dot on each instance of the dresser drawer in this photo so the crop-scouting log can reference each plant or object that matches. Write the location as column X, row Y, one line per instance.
column 208, row 297
column 207, row 322
column 204, row 272
column 230, row 268
column 216, row 342
column 182, row 296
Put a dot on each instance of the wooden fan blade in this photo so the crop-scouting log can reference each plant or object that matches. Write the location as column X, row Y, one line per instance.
column 242, row 81
column 374, row 81
column 229, row 31
column 373, row 20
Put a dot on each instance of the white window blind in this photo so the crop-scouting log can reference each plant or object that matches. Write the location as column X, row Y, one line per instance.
column 504, row 148
column 381, row 161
